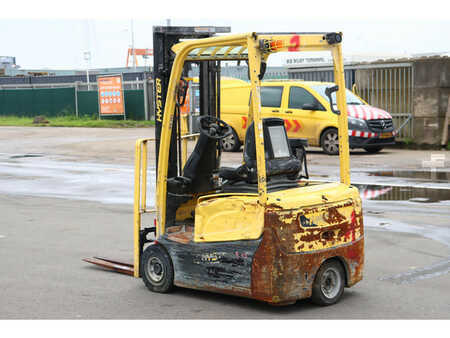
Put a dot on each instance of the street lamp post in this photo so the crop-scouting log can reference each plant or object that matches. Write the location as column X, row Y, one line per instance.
column 87, row 58
column 132, row 46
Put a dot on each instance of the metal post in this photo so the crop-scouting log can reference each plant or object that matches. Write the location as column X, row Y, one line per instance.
column 76, row 99
column 376, row 89
column 144, row 82
column 390, row 90
column 400, row 90
column 87, row 58
column 404, row 90
column 372, row 76
column 395, row 90
column 132, row 46
column 385, row 71
column 411, row 125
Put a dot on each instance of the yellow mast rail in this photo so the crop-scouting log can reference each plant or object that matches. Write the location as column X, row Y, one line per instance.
column 181, row 50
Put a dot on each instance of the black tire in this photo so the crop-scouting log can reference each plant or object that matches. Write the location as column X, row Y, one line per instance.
column 231, row 142
column 157, row 269
column 329, row 284
column 329, row 141
column 373, row 150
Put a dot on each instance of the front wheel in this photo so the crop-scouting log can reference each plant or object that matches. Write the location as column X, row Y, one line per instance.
column 330, row 141
column 373, row 150
column 157, row 269
column 329, row 283
column 231, row 142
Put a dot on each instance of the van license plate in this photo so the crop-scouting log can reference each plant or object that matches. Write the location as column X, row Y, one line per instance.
column 385, row 135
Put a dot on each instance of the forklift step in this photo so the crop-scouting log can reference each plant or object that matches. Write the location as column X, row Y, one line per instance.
column 109, row 264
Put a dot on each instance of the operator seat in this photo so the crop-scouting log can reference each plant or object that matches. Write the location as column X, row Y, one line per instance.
column 196, row 177
column 198, row 169
column 281, row 163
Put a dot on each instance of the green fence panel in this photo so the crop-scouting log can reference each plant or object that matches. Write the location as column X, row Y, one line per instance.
column 134, row 104
column 32, row 102
column 87, row 103
column 61, row 101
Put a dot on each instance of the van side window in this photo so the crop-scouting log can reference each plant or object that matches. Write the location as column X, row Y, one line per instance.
column 271, row 96
column 299, row 96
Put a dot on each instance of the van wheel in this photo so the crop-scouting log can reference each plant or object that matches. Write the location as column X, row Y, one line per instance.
column 330, row 141
column 329, row 283
column 373, row 150
column 157, row 269
column 231, row 142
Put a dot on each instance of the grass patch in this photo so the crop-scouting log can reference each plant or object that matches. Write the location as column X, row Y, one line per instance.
column 72, row 121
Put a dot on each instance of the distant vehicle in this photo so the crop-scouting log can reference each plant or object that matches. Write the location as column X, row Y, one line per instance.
column 306, row 111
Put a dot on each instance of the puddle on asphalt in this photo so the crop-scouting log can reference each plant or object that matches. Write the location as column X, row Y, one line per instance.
column 31, row 174
column 417, row 174
column 34, row 176
column 412, row 194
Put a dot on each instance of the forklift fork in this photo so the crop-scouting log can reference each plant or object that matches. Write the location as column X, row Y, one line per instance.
column 140, row 207
column 109, row 264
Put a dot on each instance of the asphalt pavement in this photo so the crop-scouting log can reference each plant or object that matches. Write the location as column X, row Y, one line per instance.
column 57, row 207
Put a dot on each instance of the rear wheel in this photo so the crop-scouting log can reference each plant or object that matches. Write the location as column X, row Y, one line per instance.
column 329, row 283
column 231, row 142
column 157, row 269
column 330, row 141
column 373, row 150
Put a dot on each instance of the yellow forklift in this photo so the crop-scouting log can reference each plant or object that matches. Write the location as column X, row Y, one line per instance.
column 261, row 230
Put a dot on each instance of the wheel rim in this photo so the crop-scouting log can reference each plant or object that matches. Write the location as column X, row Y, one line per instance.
column 228, row 143
column 155, row 270
column 331, row 142
column 331, row 283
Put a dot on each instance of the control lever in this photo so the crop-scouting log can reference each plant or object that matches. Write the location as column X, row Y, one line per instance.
column 328, row 92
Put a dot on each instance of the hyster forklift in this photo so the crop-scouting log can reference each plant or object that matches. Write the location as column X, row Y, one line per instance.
column 260, row 230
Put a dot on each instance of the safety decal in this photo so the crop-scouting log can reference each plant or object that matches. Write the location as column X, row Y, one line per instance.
column 366, row 134
column 366, row 112
column 292, row 124
column 244, row 122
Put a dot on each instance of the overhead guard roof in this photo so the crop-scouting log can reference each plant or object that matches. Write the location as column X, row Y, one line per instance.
column 234, row 47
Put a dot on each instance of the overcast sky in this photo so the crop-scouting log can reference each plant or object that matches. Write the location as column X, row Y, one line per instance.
column 50, row 34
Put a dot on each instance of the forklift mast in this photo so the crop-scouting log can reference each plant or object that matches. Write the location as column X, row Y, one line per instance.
column 164, row 37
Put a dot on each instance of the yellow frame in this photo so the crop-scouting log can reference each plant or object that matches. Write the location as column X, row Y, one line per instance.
column 251, row 43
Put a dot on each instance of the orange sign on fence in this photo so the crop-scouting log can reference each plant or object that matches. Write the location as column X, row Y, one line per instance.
column 110, row 95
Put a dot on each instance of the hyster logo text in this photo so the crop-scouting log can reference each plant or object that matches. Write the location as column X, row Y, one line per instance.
column 158, row 100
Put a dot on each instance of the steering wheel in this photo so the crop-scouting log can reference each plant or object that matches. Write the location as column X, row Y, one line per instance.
column 213, row 127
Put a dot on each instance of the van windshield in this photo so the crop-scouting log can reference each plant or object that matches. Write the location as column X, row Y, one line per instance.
column 351, row 98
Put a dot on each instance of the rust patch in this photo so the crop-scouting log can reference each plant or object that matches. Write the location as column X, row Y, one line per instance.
column 317, row 227
column 334, row 216
column 281, row 275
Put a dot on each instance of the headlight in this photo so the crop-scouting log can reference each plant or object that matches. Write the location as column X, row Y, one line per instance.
column 358, row 124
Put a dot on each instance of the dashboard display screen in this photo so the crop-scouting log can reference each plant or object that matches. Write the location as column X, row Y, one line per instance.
column 279, row 141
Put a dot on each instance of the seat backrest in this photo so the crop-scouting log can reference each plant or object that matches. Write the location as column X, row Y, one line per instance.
column 280, row 159
column 200, row 164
